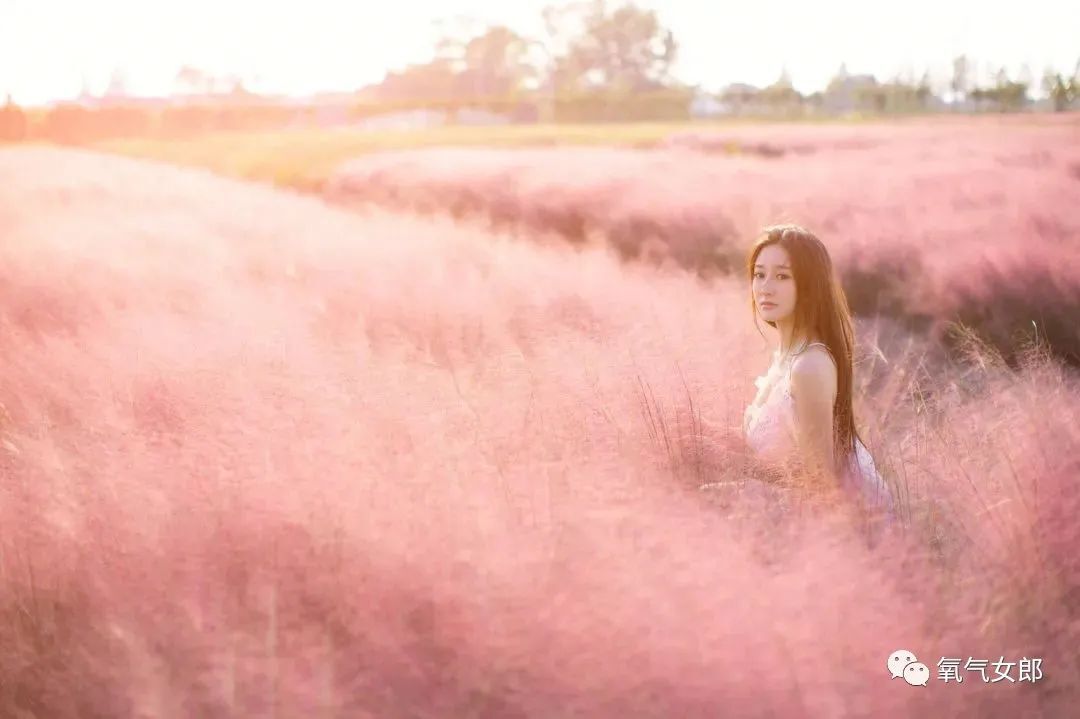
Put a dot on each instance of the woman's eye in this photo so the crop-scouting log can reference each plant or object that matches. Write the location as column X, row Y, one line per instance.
column 757, row 275
column 781, row 276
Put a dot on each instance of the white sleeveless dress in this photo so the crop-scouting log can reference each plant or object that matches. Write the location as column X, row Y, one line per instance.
column 769, row 427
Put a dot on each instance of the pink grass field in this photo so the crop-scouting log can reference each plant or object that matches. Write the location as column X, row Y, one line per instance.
column 265, row 456
column 929, row 220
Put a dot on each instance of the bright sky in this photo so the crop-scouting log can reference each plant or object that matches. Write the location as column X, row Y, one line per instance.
column 48, row 48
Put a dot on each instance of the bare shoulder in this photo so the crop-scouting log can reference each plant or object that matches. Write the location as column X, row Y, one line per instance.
column 814, row 361
column 813, row 371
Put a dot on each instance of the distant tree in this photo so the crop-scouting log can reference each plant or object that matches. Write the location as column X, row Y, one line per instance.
column 925, row 90
column 961, row 77
column 785, row 78
column 1025, row 76
column 117, row 87
column 1011, row 96
column 1008, row 95
column 625, row 49
column 1004, row 94
column 1049, row 80
column 68, row 123
column 564, row 23
column 497, row 61
column 1061, row 90
column 430, row 80
column 740, row 96
column 470, row 61
column 781, row 96
column 872, row 96
column 839, row 80
column 191, row 80
column 13, row 123
column 232, row 85
column 902, row 94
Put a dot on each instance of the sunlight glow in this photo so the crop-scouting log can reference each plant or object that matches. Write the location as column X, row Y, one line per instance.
column 52, row 49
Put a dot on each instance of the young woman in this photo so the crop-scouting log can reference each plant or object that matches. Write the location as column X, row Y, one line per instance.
column 802, row 415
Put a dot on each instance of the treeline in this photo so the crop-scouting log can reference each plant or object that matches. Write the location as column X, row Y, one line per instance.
column 77, row 123
column 74, row 123
column 865, row 94
column 594, row 63
column 1008, row 93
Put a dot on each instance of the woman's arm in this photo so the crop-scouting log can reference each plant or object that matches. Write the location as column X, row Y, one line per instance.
column 813, row 389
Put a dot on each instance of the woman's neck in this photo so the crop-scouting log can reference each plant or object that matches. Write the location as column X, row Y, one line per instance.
column 789, row 340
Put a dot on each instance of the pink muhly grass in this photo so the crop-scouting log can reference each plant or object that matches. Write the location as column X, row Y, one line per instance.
column 928, row 221
column 265, row 457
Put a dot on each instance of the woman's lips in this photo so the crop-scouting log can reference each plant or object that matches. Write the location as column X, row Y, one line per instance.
column 767, row 305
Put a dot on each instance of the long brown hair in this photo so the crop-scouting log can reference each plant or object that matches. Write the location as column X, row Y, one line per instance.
column 821, row 310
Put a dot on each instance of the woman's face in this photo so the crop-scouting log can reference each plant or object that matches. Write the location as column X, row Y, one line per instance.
column 773, row 285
